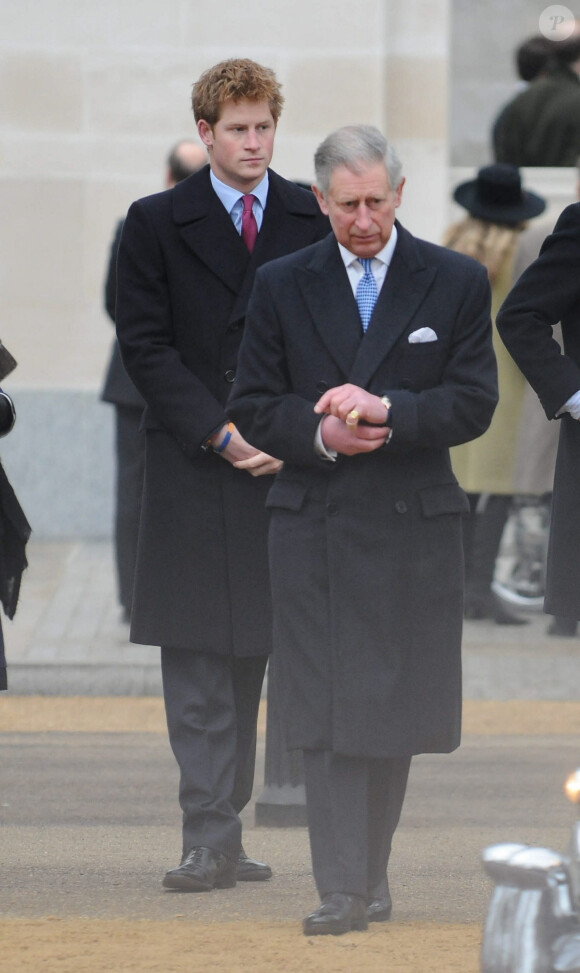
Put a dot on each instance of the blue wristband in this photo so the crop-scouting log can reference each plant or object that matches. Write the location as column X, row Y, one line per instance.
column 225, row 440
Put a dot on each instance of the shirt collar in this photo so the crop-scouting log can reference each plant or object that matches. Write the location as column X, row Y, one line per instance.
column 230, row 196
column 385, row 255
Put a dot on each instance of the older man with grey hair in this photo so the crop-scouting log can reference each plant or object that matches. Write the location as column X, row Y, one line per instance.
column 365, row 357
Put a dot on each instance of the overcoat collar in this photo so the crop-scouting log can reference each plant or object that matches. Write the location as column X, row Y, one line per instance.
column 329, row 296
column 208, row 230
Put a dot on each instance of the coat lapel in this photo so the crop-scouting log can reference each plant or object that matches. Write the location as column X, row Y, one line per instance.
column 282, row 232
column 208, row 231
column 406, row 286
column 326, row 289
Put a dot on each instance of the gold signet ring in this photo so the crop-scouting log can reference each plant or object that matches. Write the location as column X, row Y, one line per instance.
column 353, row 417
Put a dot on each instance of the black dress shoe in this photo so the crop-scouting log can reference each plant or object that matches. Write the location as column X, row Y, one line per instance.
column 380, row 904
column 201, row 871
column 564, row 627
column 250, row 870
column 337, row 914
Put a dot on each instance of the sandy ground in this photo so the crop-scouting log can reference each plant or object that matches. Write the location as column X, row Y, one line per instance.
column 132, row 714
column 85, row 945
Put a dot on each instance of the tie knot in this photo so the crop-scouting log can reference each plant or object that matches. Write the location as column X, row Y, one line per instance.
column 248, row 202
column 366, row 264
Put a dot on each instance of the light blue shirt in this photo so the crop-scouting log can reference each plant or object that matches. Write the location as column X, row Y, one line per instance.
column 232, row 200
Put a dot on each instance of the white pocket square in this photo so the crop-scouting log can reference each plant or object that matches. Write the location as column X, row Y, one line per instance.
column 422, row 335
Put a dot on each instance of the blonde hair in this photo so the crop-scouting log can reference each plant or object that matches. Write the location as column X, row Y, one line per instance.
column 492, row 244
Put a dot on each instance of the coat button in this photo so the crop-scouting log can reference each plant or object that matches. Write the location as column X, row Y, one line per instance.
column 322, row 387
column 331, row 509
column 401, row 507
column 230, row 375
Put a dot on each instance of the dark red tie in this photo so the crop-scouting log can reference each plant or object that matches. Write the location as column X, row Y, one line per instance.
column 249, row 225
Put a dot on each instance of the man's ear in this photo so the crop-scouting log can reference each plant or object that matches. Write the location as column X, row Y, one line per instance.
column 205, row 132
column 321, row 200
column 399, row 192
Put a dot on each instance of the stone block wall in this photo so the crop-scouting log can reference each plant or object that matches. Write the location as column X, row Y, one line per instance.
column 92, row 96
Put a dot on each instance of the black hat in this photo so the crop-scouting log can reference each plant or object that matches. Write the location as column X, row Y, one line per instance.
column 497, row 196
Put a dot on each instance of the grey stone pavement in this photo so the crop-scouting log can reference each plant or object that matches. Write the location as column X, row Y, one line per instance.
column 89, row 822
column 67, row 638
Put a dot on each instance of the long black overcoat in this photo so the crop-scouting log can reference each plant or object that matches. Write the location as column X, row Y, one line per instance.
column 366, row 553
column 184, row 277
column 548, row 292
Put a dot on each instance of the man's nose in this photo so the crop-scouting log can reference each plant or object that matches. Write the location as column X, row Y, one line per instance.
column 252, row 140
column 363, row 216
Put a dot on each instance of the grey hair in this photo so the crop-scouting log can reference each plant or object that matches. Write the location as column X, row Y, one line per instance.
column 354, row 146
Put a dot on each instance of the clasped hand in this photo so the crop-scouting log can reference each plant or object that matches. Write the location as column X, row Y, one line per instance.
column 345, row 406
column 243, row 456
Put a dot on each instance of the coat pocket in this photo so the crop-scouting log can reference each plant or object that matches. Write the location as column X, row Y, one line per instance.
column 287, row 494
column 443, row 498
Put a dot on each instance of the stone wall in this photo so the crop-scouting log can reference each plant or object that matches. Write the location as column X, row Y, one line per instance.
column 92, row 95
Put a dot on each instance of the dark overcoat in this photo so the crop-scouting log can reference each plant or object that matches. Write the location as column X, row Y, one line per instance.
column 541, row 125
column 366, row 552
column 184, row 277
column 548, row 292
column 118, row 389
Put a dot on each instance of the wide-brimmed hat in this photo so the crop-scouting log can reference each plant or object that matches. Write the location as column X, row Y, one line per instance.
column 497, row 196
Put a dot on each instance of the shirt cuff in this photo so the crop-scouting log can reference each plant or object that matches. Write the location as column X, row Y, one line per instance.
column 572, row 406
column 319, row 447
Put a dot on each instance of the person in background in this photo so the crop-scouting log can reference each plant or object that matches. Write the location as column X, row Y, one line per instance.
column 532, row 57
column 498, row 208
column 541, row 125
column 187, row 261
column 15, row 532
column 537, row 440
column 185, row 158
column 548, row 292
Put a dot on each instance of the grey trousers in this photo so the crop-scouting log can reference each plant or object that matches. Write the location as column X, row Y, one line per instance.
column 353, row 806
column 211, row 706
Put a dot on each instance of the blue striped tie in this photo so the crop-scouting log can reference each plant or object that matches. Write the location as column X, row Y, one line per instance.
column 366, row 292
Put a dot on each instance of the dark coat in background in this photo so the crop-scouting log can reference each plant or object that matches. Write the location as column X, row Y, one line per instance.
column 548, row 292
column 541, row 125
column 366, row 553
column 118, row 389
column 14, row 535
column 185, row 277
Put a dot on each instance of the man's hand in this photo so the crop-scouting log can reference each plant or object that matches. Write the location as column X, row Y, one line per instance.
column 345, row 406
column 259, row 464
column 350, row 440
column 243, row 456
column 351, row 403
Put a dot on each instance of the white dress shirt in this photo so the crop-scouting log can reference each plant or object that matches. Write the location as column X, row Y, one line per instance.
column 572, row 406
column 379, row 263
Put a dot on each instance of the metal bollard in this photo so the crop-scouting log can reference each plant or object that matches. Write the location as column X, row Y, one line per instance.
column 282, row 803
